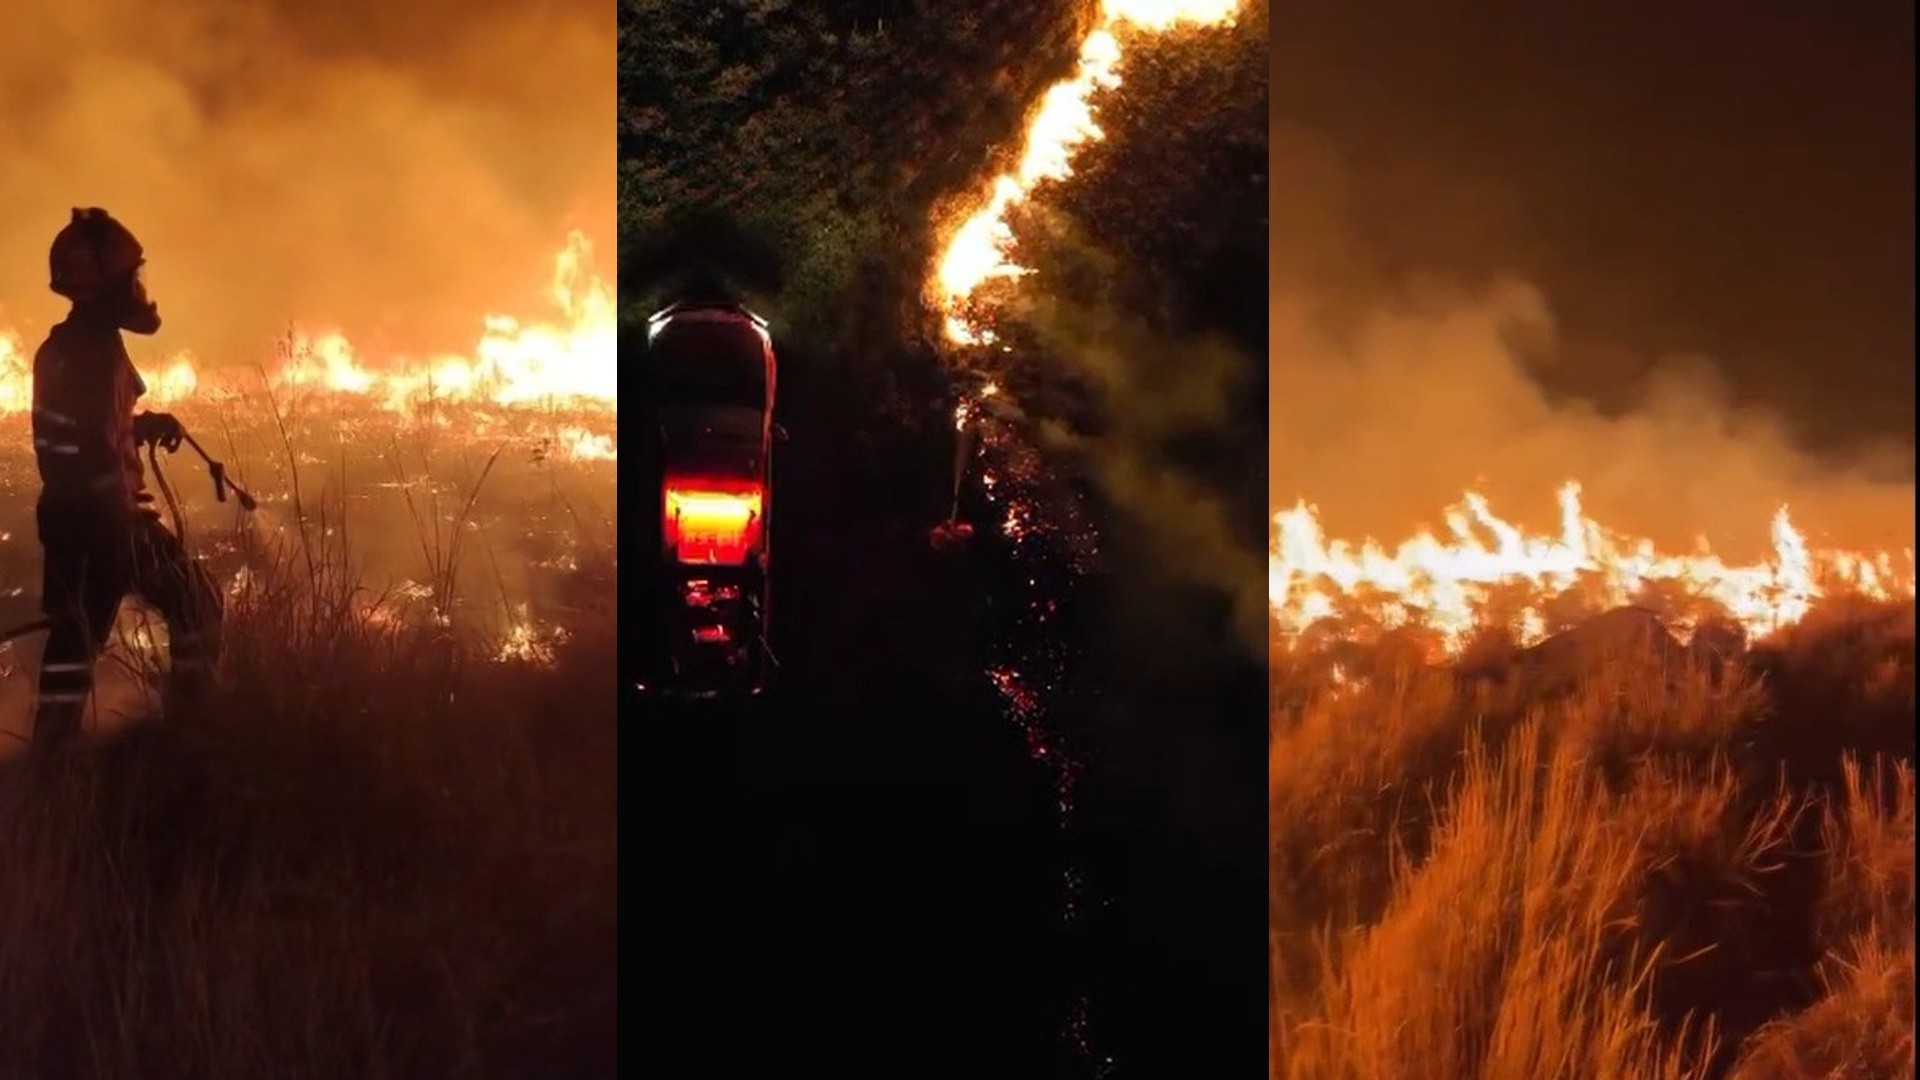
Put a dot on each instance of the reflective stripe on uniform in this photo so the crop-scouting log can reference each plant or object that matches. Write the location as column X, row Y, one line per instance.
column 56, row 447
column 51, row 669
column 64, row 698
column 51, row 417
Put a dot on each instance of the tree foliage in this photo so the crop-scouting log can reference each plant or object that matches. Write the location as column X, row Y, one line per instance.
column 815, row 154
column 803, row 149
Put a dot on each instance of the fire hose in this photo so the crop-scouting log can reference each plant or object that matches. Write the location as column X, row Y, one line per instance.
column 222, row 484
column 218, row 470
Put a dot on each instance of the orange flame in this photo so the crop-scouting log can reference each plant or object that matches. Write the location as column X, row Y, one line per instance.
column 529, row 642
column 1449, row 585
column 569, row 360
column 980, row 248
column 579, row 444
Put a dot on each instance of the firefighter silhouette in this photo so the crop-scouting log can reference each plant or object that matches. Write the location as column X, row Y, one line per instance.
column 100, row 539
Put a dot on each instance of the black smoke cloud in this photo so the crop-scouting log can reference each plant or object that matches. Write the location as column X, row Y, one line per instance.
column 393, row 170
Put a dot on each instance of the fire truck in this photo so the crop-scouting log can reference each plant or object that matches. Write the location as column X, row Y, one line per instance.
column 708, row 392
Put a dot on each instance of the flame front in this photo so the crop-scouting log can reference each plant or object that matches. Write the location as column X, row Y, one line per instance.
column 569, row 360
column 1032, row 665
column 980, row 248
column 1488, row 572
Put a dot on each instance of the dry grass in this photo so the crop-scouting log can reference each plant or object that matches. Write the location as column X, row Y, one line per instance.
column 377, row 852
column 1634, row 865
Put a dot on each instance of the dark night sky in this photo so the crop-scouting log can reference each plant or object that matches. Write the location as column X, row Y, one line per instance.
column 1730, row 180
column 1733, row 178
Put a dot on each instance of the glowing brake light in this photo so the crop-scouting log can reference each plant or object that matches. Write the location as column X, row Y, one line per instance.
column 712, row 522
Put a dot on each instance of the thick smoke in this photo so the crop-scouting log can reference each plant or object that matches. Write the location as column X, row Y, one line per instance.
column 392, row 171
column 1393, row 390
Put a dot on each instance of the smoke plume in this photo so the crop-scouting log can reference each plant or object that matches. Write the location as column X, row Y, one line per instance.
column 393, row 171
column 1394, row 389
column 1154, row 395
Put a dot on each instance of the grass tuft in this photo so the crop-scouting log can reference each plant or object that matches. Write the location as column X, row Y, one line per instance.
column 1612, row 858
column 375, row 851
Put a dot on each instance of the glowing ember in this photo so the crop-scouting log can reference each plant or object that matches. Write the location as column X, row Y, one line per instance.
column 569, row 361
column 1469, row 580
column 1019, row 697
column 1032, row 665
column 400, row 605
column 979, row 249
column 526, row 643
column 968, row 409
column 712, row 523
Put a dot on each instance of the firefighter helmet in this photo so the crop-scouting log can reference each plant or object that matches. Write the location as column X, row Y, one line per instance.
column 92, row 253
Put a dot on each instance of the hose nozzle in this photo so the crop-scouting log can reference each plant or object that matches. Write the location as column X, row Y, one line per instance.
column 221, row 484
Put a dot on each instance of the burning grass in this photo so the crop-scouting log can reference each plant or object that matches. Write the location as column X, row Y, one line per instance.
column 378, row 851
column 1622, row 858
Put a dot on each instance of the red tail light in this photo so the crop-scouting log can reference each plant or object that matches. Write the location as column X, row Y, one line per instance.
column 713, row 522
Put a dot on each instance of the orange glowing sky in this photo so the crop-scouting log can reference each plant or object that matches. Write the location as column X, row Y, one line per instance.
column 395, row 185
